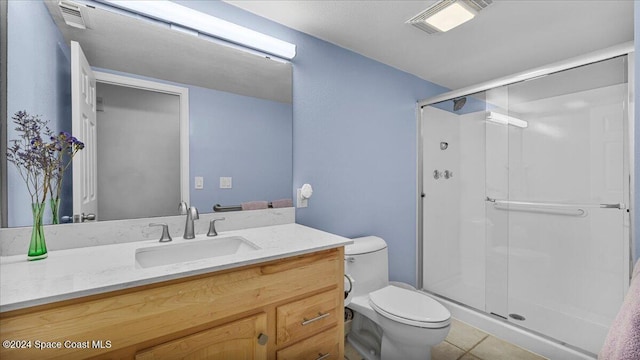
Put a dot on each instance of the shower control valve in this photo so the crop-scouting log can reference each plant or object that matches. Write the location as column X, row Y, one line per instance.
column 437, row 174
column 447, row 174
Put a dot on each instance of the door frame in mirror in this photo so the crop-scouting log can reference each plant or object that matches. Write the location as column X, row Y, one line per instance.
column 183, row 94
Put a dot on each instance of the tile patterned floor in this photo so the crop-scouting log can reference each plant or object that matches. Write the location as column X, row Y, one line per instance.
column 465, row 342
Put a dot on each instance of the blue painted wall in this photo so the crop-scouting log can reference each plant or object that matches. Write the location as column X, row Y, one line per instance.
column 36, row 89
column 354, row 139
column 228, row 131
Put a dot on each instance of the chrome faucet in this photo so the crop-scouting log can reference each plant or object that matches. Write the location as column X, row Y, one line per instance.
column 192, row 214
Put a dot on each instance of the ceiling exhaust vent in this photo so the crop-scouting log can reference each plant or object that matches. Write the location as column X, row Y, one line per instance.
column 434, row 20
column 72, row 14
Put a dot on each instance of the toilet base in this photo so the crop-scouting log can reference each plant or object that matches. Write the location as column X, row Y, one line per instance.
column 361, row 349
column 368, row 338
column 393, row 350
column 365, row 336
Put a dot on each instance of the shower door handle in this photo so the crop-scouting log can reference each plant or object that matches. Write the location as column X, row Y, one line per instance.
column 556, row 208
column 539, row 208
column 620, row 206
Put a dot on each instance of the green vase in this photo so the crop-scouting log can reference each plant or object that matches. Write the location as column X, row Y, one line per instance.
column 37, row 247
column 55, row 209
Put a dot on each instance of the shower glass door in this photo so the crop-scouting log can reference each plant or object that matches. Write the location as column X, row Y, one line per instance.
column 555, row 190
column 524, row 213
column 453, row 148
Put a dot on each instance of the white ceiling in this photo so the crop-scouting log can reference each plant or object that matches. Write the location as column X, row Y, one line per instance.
column 507, row 37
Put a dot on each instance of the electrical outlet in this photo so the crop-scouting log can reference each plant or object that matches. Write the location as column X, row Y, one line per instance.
column 302, row 201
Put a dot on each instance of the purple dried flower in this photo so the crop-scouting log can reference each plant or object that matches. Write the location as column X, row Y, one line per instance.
column 41, row 164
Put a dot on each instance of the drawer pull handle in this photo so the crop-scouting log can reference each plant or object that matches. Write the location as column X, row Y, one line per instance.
column 320, row 356
column 262, row 339
column 319, row 317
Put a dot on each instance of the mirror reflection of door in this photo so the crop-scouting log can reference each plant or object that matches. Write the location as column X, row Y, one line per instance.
column 132, row 148
column 83, row 114
column 138, row 152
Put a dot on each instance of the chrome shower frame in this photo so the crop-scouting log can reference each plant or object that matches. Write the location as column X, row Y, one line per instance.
column 629, row 145
column 507, row 330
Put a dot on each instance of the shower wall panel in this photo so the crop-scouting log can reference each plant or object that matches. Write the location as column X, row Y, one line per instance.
column 454, row 216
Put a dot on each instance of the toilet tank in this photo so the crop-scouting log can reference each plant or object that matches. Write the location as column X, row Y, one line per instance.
column 366, row 261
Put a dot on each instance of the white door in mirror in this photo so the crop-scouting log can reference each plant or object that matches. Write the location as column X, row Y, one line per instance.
column 84, row 127
column 304, row 193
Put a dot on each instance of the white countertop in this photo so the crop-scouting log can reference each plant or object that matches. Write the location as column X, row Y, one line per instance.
column 73, row 273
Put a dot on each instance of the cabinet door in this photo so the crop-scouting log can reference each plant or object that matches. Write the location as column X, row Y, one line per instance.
column 235, row 340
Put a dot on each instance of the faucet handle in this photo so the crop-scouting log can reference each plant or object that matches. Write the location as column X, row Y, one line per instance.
column 212, row 227
column 194, row 213
column 183, row 207
column 165, row 237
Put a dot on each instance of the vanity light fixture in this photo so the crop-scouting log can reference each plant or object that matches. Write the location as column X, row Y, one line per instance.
column 445, row 15
column 506, row 120
column 185, row 17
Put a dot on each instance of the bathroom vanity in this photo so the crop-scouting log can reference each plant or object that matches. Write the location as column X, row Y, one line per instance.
column 282, row 301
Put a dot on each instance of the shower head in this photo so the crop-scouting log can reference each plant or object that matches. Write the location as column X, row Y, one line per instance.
column 459, row 103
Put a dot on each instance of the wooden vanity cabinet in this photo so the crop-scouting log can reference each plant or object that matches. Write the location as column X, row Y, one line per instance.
column 285, row 309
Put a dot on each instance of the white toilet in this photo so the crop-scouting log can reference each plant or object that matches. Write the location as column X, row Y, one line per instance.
column 391, row 321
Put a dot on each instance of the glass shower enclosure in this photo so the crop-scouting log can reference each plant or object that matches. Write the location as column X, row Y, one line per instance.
column 525, row 201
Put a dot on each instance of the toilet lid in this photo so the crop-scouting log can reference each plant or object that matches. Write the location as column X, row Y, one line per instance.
column 408, row 304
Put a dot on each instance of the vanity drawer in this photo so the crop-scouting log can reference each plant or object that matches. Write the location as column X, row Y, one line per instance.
column 303, row 318
column 323, row 346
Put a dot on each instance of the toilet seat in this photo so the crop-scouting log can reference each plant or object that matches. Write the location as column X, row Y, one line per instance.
column 409, row 307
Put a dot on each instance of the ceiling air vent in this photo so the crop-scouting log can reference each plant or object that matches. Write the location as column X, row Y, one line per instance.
column 427, row 20
column 72, row 14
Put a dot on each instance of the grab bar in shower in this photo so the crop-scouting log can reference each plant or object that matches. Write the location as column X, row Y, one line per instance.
column 549, row 208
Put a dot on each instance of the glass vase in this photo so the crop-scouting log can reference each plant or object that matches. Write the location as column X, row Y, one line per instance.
column 37, row 247
column 55, row 210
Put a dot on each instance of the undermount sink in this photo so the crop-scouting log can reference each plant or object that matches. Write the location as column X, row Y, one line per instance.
column 190, row 251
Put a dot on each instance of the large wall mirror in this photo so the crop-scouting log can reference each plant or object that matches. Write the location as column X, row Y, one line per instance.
column 238, row 138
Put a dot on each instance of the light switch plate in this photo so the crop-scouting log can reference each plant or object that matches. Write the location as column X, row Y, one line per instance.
column 226, row 182
column 199, row 183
